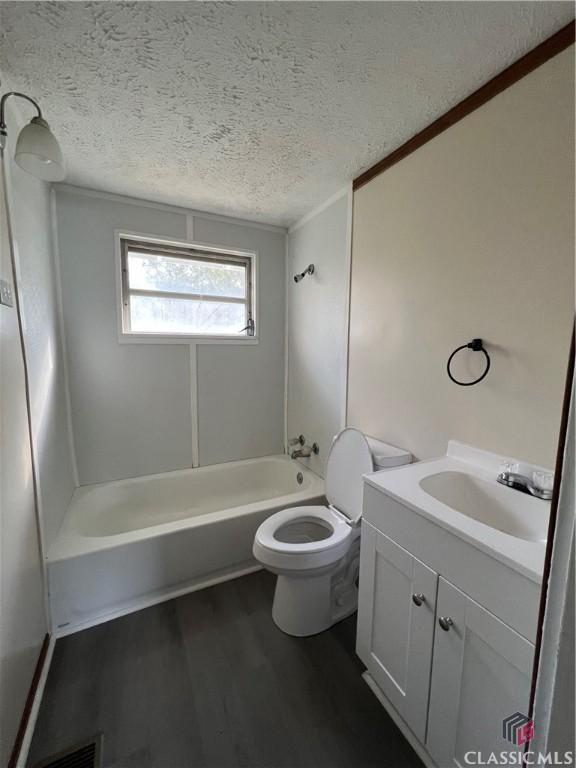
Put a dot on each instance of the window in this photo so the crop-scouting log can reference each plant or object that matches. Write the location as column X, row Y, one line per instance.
column 171, row 290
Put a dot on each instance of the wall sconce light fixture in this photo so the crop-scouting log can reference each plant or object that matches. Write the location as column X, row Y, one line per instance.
column 37, row 151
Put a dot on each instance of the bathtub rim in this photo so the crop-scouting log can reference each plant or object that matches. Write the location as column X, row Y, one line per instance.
column 70, row 543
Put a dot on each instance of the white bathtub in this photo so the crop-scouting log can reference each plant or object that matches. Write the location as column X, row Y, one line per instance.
column 131, row 543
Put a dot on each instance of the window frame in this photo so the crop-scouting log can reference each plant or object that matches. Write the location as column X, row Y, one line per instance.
column 194, row 251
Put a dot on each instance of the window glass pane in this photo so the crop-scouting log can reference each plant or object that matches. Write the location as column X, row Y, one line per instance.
column 152, row 314
column 153, row 272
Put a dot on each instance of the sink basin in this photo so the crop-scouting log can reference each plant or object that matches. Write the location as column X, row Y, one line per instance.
column 504, row 509
column 459, row 493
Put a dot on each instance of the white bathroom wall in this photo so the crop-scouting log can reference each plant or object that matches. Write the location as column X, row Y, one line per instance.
column 317, row 325
column 471, row 235
column 139, row 409
column 29, row 201
column 22, row 616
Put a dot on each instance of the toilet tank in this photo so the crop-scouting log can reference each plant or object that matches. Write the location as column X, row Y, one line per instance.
column 386, row 456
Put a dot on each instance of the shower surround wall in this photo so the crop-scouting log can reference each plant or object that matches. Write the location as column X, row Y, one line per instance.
column 140, row 409
column 317, row 325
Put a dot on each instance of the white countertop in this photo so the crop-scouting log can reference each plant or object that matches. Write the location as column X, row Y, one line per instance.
column 403, row 484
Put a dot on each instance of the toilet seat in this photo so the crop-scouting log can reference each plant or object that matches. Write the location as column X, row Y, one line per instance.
column 349, row 459
column 322, row 515
column 299, row 556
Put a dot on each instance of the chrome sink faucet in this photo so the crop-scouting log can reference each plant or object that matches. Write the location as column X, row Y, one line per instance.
column 540, row 486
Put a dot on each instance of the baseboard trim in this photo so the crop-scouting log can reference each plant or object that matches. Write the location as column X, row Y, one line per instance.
column 399, row 722
column 31, row 707
column 150, row 600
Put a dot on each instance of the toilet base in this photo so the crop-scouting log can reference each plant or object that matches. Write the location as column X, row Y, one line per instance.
column 308, row 604
column 302, row 605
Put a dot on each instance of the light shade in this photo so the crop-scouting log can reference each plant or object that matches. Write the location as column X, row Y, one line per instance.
column 38, row 152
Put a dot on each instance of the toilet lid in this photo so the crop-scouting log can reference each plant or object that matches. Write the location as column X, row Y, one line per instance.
column 349, row 458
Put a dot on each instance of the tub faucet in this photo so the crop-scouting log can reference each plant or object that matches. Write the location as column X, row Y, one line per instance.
column 305, row 452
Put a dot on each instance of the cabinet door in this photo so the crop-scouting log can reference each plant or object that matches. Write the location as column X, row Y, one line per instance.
column 481, row 673
column 395, row 634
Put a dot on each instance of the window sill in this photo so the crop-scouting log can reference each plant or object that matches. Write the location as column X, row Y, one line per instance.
column 161, row 338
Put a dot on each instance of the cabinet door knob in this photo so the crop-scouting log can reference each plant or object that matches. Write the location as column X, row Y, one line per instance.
column 418, row 598
column 445, row 622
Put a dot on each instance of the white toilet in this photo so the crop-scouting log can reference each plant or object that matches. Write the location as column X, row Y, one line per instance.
column 315, row 550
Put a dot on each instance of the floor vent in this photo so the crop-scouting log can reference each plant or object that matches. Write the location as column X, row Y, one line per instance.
column 85, row 755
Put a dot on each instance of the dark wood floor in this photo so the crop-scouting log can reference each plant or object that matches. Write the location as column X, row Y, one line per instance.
column 208, row 681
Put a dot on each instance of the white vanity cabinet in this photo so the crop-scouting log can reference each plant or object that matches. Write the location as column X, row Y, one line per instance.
column 397, row 600
column 481, row 674
column 442, row 630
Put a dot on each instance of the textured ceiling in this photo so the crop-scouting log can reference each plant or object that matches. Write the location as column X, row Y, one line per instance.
column 259, row 110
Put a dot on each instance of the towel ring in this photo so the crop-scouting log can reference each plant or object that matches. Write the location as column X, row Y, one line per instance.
column 477, row 346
